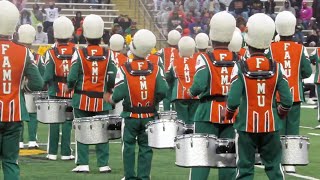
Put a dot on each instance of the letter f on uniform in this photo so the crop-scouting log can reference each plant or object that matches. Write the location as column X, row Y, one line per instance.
column 259, row 62
column 4, row 48
column 140, row 64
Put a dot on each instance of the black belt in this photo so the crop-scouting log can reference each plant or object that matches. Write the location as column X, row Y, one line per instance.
column 139, row 110
column 213, row 98
column 60, row 79
column 92, row 94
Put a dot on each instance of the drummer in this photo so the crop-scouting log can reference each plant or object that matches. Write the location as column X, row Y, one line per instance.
column 92, row 74
column 212, row 83
column 16, row 61
column 139, row 102
column 295, row 61
column 116, row 47
column 235, row 44
column 259, row 119
column 26, row 34
column 167, row 55
column 58, row 63
column 180, row 77
column 315, row 59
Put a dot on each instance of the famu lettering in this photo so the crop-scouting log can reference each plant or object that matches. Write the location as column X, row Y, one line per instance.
column 224, row 80
column 143, row 88
column 65, row 67
column 287, row 60
column 95, row 73
column 186, row 71
column 261, row 91
column 6, row 71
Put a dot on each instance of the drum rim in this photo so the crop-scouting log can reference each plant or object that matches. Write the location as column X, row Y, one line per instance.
column 90, row 119
column 164, row 120
column 36, row 92
column 165, row 112
column 195, row 135
column 294, row 137
column 39, row 101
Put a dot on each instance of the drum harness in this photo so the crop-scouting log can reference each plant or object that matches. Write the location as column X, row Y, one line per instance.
column 93, row 94
column 146, row 72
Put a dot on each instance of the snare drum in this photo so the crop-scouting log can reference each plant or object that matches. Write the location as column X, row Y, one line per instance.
column 226, row 153
column 51, row 110
column 118, row 108
column 196, row 150
column 161, row 133
column 69, row 110
column 114, row 125
column 30, row 99
column 91, row 130
column 295, row 150
column 170, row 115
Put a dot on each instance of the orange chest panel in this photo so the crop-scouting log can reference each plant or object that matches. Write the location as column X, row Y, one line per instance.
column 154, row 59
column 170, row 54
column 220, row 76
column 289, row 55
column 184, row 70
column 94, row 71
column 12, row 64
column 62, row 65
column 119, row 59
column 141, row 88
column 260, row 95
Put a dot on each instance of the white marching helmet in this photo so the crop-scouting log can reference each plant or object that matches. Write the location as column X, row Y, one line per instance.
column 222, row 26
column 63, row 28
column 236, row 41
column 142, row 43
column 285, row 23
column 261, row 30
column 173, row 37
column 26, row 34
column 202, row 41
column 186, row 46
column 116, row 42
column 9, row 18
column 93, row 26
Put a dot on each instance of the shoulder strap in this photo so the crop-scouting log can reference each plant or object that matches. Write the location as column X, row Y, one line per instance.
column 95, row 58
column 258, row 74
column 132, row 72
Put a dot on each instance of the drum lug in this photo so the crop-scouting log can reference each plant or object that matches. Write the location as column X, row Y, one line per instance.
column 38, row 107
column 191, row 143
column 91, row 126
column 178, row 146
column 150, row 129
column 286, row 144
column 79, row 127
column 207, row 143
column 60, row 107
column 164, row 127
column 74, row 126
column 300, row 144
column 102, row 126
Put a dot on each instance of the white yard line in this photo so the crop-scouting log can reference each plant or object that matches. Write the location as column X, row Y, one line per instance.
column 294, row 174
column 306, row 127
column 308, row 106
column 73, row 143
column 314, row 134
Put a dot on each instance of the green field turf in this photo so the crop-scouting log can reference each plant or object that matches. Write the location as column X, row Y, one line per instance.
column 163, row 167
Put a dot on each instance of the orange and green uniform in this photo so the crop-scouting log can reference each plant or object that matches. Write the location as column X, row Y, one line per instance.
column 140, row 91
column 92, row 74
column 167, row 55
column 315, row 59
column 33, row 122
column 118, row 58
column 180, row 76
column 58, row 64
column 296, row 64
column 258, row 123
column 211, row 83
column 16, row 62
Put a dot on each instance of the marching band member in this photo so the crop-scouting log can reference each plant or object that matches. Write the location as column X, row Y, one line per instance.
column 236, row 42
column 167, row 55
column 295, row 61
column 315, row 59
column 180, row 77
column 16, row 61
column 116, row 46
column 58, row 63
column 139, row 102
column 211, row 84
column 92, row 74
column 26, row 35
column 254, row 84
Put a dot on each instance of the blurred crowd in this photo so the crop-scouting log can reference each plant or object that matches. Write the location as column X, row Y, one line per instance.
column 191, row 17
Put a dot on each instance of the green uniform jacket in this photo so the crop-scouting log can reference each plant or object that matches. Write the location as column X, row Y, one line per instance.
column 75, row 78
column 314, row 58
column 237, row 98
column 121, row 90
column 305, row 68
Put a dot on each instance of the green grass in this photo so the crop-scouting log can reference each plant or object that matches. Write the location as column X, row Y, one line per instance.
column 163, row 167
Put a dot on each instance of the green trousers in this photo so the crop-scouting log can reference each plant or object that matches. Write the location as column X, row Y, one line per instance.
column 318, row 96
column 292, row 122
column 186, row 109
column 134, row 131
column 9, row 149
column 54, row 134
column 166, row 104
column 221, row 131
column 32, row 128
column 102, row 150
column 269, row 146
